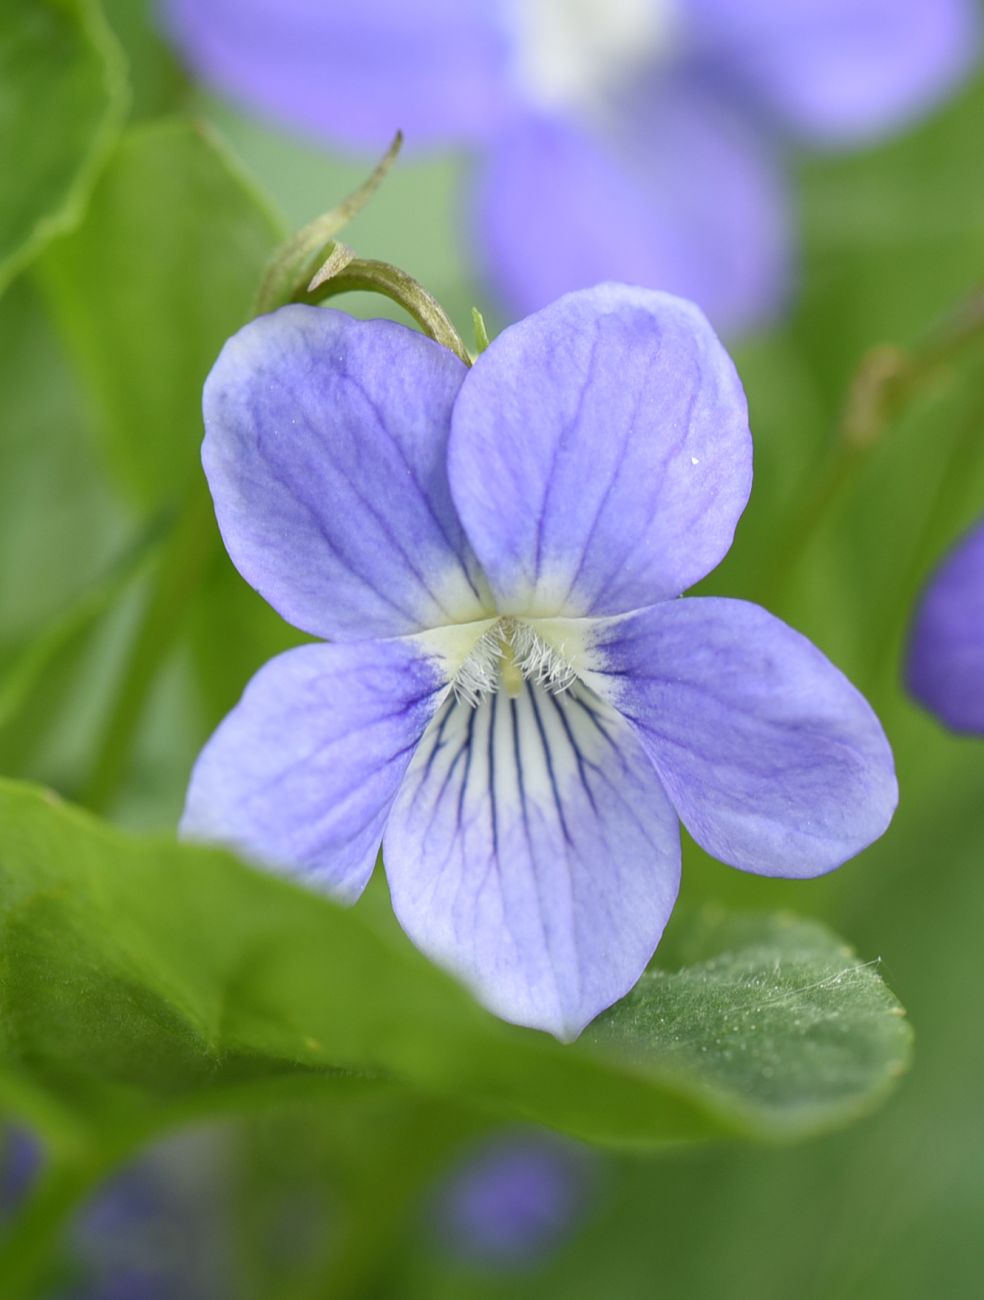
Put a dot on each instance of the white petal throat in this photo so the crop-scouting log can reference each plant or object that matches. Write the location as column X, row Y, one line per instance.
column 571, row 53
column 507, row 654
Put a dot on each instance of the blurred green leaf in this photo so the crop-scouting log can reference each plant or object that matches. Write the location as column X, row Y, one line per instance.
column 143, row 978
column 63, row 101
column 59, row 527
column 161, row 272
column 147, row 290
column 894, row 236
column 233, row 631
column 158, row 83
column 39, row 675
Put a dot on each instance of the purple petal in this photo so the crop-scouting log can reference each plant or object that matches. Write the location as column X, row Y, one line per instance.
column 837, row 71
column 532, row 851
column 680, row 195
column 352, row 71
column 775, row 763
column 301, row 774
column 600, row 454
column 946, row 652
column 325, row 452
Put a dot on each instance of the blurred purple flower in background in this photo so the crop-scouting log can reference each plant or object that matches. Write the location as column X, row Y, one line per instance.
column 152, row 1232
column 945, row 669
column 516, row 703
column 155, row 1230
column 515, row 1197
column 21, row 1159
column 635, row 140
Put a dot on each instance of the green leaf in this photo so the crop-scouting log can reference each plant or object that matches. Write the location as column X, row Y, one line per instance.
column 771, row 1008
column 63, row 102
column 158, row 82
column 39, row 675
column 58, row 526
column 163, row 270
column 147, row 290
column 144, row 980
column 61, row 533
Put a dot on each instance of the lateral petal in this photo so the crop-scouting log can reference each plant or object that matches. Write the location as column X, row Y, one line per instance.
column 300, row 776
column 774, row 762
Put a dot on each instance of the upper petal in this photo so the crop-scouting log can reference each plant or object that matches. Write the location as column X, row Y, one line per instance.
column 325, row 449
column 775, row 763
column 353, row 71
column 945, row 667
column 840, row 70
column 679, row 193
column 301, row 774
column 600, row 455
column 532, row 850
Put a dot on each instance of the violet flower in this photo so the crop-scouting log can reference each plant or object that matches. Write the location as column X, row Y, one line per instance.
column 21, row 1161
column 636, row 140
column 151, row 1232
column 515, row 703
column 147, row 1235
column 514, row 1197
column 945, row 669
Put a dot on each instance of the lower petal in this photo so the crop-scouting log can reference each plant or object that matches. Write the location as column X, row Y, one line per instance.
column 533, row 851
column 680, row 194
column 301, row 774
column 774, row 762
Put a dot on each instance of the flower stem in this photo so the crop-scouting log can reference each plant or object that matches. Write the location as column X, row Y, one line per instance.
column 886, row 384
column 936, row 531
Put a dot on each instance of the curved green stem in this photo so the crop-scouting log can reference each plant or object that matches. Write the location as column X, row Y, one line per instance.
column 296, row 261
column 366, row 275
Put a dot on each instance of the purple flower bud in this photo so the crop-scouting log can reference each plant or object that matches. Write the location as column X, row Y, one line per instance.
column 945, row 668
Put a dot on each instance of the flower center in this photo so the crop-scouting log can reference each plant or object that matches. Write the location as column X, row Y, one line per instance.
column 506, row 655
column 571, row 53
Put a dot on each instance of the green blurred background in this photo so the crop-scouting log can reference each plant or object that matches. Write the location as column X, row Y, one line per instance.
column 98, row 462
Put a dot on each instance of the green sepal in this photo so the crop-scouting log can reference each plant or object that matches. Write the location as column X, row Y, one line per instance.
column 298, row 260
column 313, row 266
